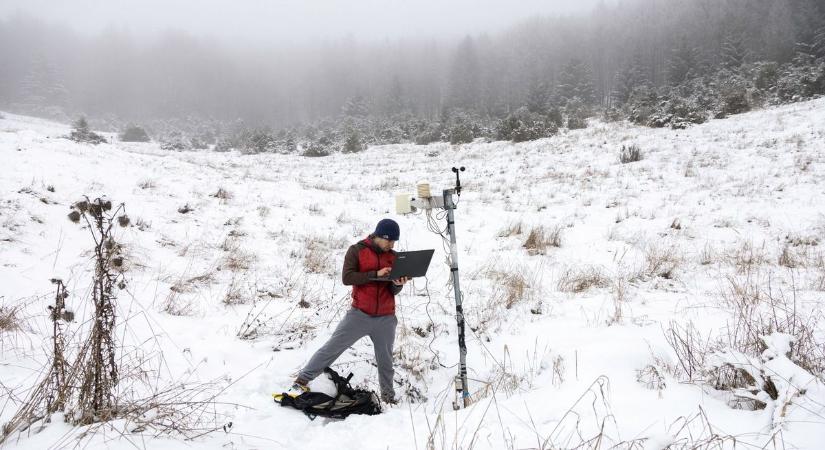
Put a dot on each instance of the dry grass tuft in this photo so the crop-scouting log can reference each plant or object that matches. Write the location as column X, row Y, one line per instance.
column 662, row 260
column 511, row 287
column 222, row 194
column 513, row 229
column 581, row 279
column 541, row 237
column 10, row 319
column 747, row 257
column 630, row 153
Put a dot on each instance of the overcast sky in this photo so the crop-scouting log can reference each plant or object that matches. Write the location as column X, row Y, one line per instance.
column 293, row 20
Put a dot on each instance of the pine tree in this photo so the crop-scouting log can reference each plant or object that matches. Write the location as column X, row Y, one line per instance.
column 734, row 52
column 576, row 81
column 356, row 106
column 538, row 98
column 464, row 83
column 684, row 63
column 628, row 79
column 42, row 91
column 396, row 102
column 819, row 42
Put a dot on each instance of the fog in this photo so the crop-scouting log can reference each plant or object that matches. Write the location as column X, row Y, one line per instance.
column 293, row 21
column 277, row 64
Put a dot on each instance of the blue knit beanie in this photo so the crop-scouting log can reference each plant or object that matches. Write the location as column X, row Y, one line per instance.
column 387, row 229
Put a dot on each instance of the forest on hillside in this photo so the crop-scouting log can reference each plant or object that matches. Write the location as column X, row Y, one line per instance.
column 654, row 62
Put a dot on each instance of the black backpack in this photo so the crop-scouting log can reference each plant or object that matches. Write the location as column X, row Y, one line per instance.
column 347, row 401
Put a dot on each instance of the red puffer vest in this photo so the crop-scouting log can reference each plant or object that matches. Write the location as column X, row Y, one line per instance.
column 374, row 298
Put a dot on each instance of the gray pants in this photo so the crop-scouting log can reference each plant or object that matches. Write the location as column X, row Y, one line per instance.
column 355, row 325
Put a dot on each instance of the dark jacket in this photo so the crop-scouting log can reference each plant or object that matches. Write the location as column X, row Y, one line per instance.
column 362, row 262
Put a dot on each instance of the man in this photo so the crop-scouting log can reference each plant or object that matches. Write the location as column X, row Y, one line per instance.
column 372, row 313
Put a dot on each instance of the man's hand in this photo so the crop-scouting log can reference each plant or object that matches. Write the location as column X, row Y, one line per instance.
column 383, row 272
column 401, row 281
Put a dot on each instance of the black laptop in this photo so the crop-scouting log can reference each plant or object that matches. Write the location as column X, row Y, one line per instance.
column 409, row 264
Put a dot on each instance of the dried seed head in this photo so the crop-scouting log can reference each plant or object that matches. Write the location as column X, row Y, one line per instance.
column 74, row 216
column 82, row 205
column 121, row 285
column 67, row 315
column 55, row 280
column 94, row 209
column 109, row 244
column 123, row 220
column 65, row 294
column 117, row 261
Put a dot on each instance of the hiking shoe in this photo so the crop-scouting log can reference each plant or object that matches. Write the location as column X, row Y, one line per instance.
column 389, row 399
column 297, row 389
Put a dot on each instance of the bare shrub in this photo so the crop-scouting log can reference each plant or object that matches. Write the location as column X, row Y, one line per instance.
column 690, row 348
column 630, row 153
column 650, row 377
column 759, row 310
column 541, row 237
column 581, row 279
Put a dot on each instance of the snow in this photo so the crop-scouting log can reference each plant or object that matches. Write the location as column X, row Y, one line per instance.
column 551, row 368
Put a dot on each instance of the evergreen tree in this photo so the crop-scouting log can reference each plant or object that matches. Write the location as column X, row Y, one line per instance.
column 684, row 63
column 396, row 102
column 819, row 41
column 628, row 79
column 538, row 98
column 576, row 81
column 353, row 141
column 464, row 83
column 42, row 90
column 356, row 107
column 734, row 53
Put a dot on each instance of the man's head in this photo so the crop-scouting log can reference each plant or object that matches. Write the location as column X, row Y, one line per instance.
column 386, row 233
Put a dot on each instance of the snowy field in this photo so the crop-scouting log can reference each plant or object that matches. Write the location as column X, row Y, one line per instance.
column 608, row 305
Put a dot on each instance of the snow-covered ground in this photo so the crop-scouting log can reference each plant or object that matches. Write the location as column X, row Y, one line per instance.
column 564, row 343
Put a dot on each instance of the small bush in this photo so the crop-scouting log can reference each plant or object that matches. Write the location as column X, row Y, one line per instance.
column 576, row 123
column 461, row 133
column 134, row 133
column 430, row 134
column 82, row 133
column 315, row 150
column 523, row 125
column 630, row 153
